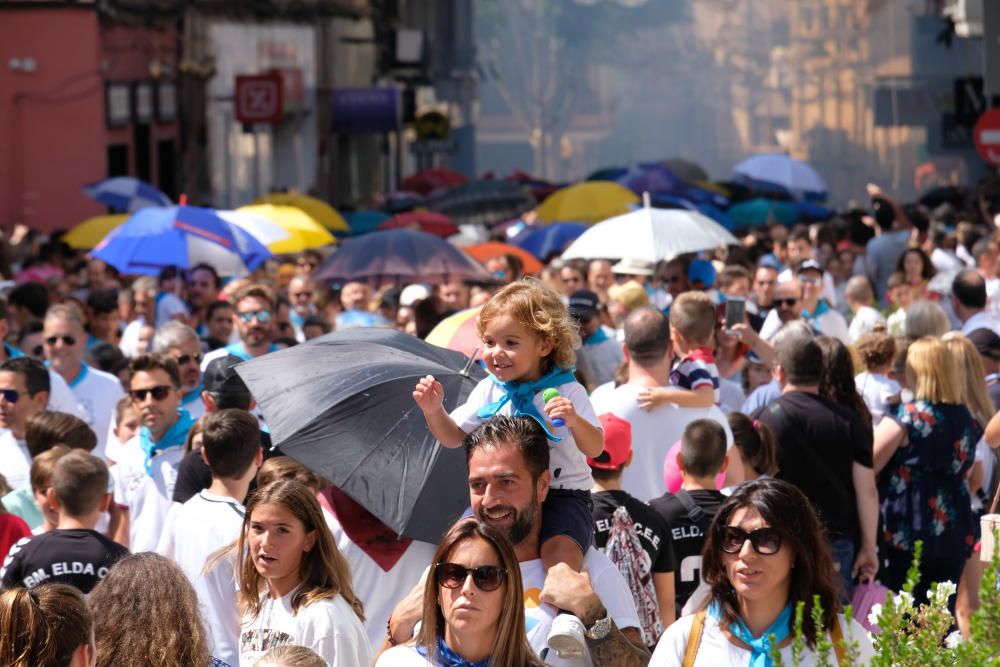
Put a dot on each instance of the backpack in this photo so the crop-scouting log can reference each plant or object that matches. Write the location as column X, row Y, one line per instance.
column 625, row 551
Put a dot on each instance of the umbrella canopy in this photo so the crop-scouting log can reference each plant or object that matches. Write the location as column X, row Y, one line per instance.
column 484, row 252
column 652, row 178
column 795, row 175
column 482, row 202
column 458, row 332
column 90, row 232
column 650, row 234
column 544, row 241
column 399, row 256
column 126, row 194
column 342, row 405
column 809, row 211
column 403, row 200
column 364, row 221
column 180, row 236
column 762, row 212
column 426, row 181
column 303, row 231
column 422, row 221
column 317, row 209
column 588, row 202
column 258, row 227
column 685, row 169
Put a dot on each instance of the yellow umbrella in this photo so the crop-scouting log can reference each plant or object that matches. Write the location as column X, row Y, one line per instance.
column 303, row 231
column 89, row 233
column 317, row 209
column 588, row 202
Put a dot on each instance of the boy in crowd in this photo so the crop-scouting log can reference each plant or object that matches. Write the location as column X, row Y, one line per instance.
column 689, row 512
column 74, row 553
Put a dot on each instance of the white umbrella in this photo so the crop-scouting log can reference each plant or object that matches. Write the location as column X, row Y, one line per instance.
column 650, row 234
column 257, row 226
column 795, row 175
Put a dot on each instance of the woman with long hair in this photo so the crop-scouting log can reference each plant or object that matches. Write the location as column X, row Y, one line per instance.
column 47, row 626
column 922, row 455
column 764, row 554
column 473, row 612
column 756, row 444
column 837, row 380
column 917, row 270
column 294, row 584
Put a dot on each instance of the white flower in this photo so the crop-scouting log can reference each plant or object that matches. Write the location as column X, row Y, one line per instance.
column 874, row 613
column 954, row 639
column 903, row 601
column 939, row 593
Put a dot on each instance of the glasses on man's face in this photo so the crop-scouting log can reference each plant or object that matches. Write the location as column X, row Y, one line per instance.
column 186, row 359
column 301, row 295
column 786, row 303
column 765, row 541
column 810, row 280
column 10, row 395
column 67, row 340
column 158, row 393
column 262, row 316
column 485, row 577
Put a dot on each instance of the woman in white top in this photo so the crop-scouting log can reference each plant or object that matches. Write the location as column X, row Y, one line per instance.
column 764, row 554
column 473, row 614
column 294, row 585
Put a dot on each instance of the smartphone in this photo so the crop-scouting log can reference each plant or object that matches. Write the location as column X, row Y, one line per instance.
column 735, row 311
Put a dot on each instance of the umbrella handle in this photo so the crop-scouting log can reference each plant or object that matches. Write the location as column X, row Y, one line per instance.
column 468, row 365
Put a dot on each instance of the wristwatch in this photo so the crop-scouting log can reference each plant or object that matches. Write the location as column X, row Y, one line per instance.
column 600, row 629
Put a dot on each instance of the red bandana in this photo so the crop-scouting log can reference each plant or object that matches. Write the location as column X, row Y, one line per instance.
column 364, row 529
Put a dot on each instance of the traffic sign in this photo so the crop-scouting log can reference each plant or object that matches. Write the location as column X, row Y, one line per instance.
column 986, row 134
column 259, row 98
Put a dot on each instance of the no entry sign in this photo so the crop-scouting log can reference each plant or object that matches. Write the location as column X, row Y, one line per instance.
column 986, row 134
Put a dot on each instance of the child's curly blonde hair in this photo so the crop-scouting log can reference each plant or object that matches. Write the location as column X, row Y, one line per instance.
column 539, row 309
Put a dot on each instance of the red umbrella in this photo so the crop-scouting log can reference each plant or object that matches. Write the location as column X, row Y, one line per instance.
column 422, row 221
column 428, row 180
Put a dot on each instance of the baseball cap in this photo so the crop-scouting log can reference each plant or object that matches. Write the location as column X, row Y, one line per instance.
column 987, row 343
column 221, row 376
column 809, row 265
column 701, row 271
column 583, row 304
column 617, row 443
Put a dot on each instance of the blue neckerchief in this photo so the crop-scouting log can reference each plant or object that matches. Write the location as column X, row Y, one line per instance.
column 79, row 376
column 12, row 352
column 296, row 319
column 821, row 307
column 448, row 658
column 193, row 395
column 174, row 436
column 598, row 337
column 760, row 646
column 522, row 397
column 239, row 350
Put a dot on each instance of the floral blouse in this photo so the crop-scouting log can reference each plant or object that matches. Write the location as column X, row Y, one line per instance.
column 922, row 488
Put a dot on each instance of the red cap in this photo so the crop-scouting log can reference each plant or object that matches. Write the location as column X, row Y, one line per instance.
column 617, row 443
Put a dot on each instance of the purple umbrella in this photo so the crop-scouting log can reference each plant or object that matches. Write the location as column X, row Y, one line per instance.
column 653, row 179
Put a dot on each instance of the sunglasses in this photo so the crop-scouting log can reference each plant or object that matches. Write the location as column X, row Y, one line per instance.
column 785, row 302
column 301, row 295
column 186, row 359
column 262, row 316
column 485, row 577
column 158, row 392
column 765, row 541
column 10, row 395
column 67, row 340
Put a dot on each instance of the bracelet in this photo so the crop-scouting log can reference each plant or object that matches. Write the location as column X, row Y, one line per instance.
column 388, row 633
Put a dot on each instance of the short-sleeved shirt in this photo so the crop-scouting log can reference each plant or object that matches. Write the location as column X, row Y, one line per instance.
column 78, row 557
column 697, row 370
column 876, row 390
column 194, row 475
column 15, row 461
column 146, row 495
column 97, row 394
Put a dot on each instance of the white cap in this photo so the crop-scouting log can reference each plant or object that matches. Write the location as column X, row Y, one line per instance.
column 413, row 293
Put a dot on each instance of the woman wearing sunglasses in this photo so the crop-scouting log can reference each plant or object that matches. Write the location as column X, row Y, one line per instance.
column 765, row 553
column 473, row 606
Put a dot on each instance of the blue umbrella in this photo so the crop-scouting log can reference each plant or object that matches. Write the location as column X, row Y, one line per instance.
column 181, row 236
column 364, row 221
column 126, row 194
column 544, row 241
column 762, row 212
column 651, row 178
column 811, row 211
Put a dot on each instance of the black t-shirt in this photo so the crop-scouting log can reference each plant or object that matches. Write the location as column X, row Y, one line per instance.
column 687, row 536
column 194, row 475
column 78, row 557
column 647, row 525
column 819, row 441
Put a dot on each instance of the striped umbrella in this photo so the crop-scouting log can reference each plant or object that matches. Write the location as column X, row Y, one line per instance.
column 126, row 194
column 458, row 332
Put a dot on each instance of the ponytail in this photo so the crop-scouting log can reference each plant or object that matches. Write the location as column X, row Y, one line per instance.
column 756, row 443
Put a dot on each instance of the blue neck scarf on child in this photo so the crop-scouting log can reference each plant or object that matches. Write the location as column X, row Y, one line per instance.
column 448, row 658
column 174, row 436
column 761, row 646
column 522, row 396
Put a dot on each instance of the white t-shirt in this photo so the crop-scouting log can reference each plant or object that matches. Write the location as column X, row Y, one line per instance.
column 864, row 321
column 169, row 307
column 97, row 393
column 715, row 650
column 609, row 586
column 147, row 496
column 653, row 434
column 203, row 525
column 575, row 473
column 876, row 389
column 61, row 397
column 402, row 656
column 15, row 461
column 829, row 323
column 380, row 590
column 329, row 627
column 129, row 344
column 981, row 320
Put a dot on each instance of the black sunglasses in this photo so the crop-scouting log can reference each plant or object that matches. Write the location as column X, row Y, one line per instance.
column 158, row 392
column 68, row 340
column 485, row 577
column 185, row 359
column 10, row 395
column 785, row 302
column 765, row 541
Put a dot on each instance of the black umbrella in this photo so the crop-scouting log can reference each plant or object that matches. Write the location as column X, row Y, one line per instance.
column 483, row 202
column 342, row 405
column 686, row 169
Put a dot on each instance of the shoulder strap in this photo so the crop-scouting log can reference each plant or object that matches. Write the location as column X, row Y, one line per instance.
column 694, row 511
column 694, row 639
column 839, row 645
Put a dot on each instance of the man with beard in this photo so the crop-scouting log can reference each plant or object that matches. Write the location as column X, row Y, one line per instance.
column 256, row 314
column 508, row 459
column 180, row 342
column 202, row 290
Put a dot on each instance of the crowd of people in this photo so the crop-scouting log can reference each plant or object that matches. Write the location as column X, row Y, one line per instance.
column 663, row 460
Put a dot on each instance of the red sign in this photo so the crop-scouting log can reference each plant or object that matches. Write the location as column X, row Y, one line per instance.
column 986, row 134
column 259, row 98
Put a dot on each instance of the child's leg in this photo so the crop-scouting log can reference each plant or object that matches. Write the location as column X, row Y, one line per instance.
column 567, row 528
column 562, row 549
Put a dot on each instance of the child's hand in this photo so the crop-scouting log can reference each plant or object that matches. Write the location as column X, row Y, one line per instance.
column 429, row 395
column 562, row 407
column 652, row 397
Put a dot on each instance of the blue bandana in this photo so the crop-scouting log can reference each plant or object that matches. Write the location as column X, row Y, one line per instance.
column 522, row 396
column 193, row 395
column 174, row 436
column 760, row 647
column 599, row 337
column 448, row 658
column 821, row 308
column 239, row 350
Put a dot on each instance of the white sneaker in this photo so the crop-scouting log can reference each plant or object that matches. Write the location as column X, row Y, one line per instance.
column 566, row 636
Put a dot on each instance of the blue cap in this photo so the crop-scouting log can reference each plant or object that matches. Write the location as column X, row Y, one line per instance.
column 701, row 271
